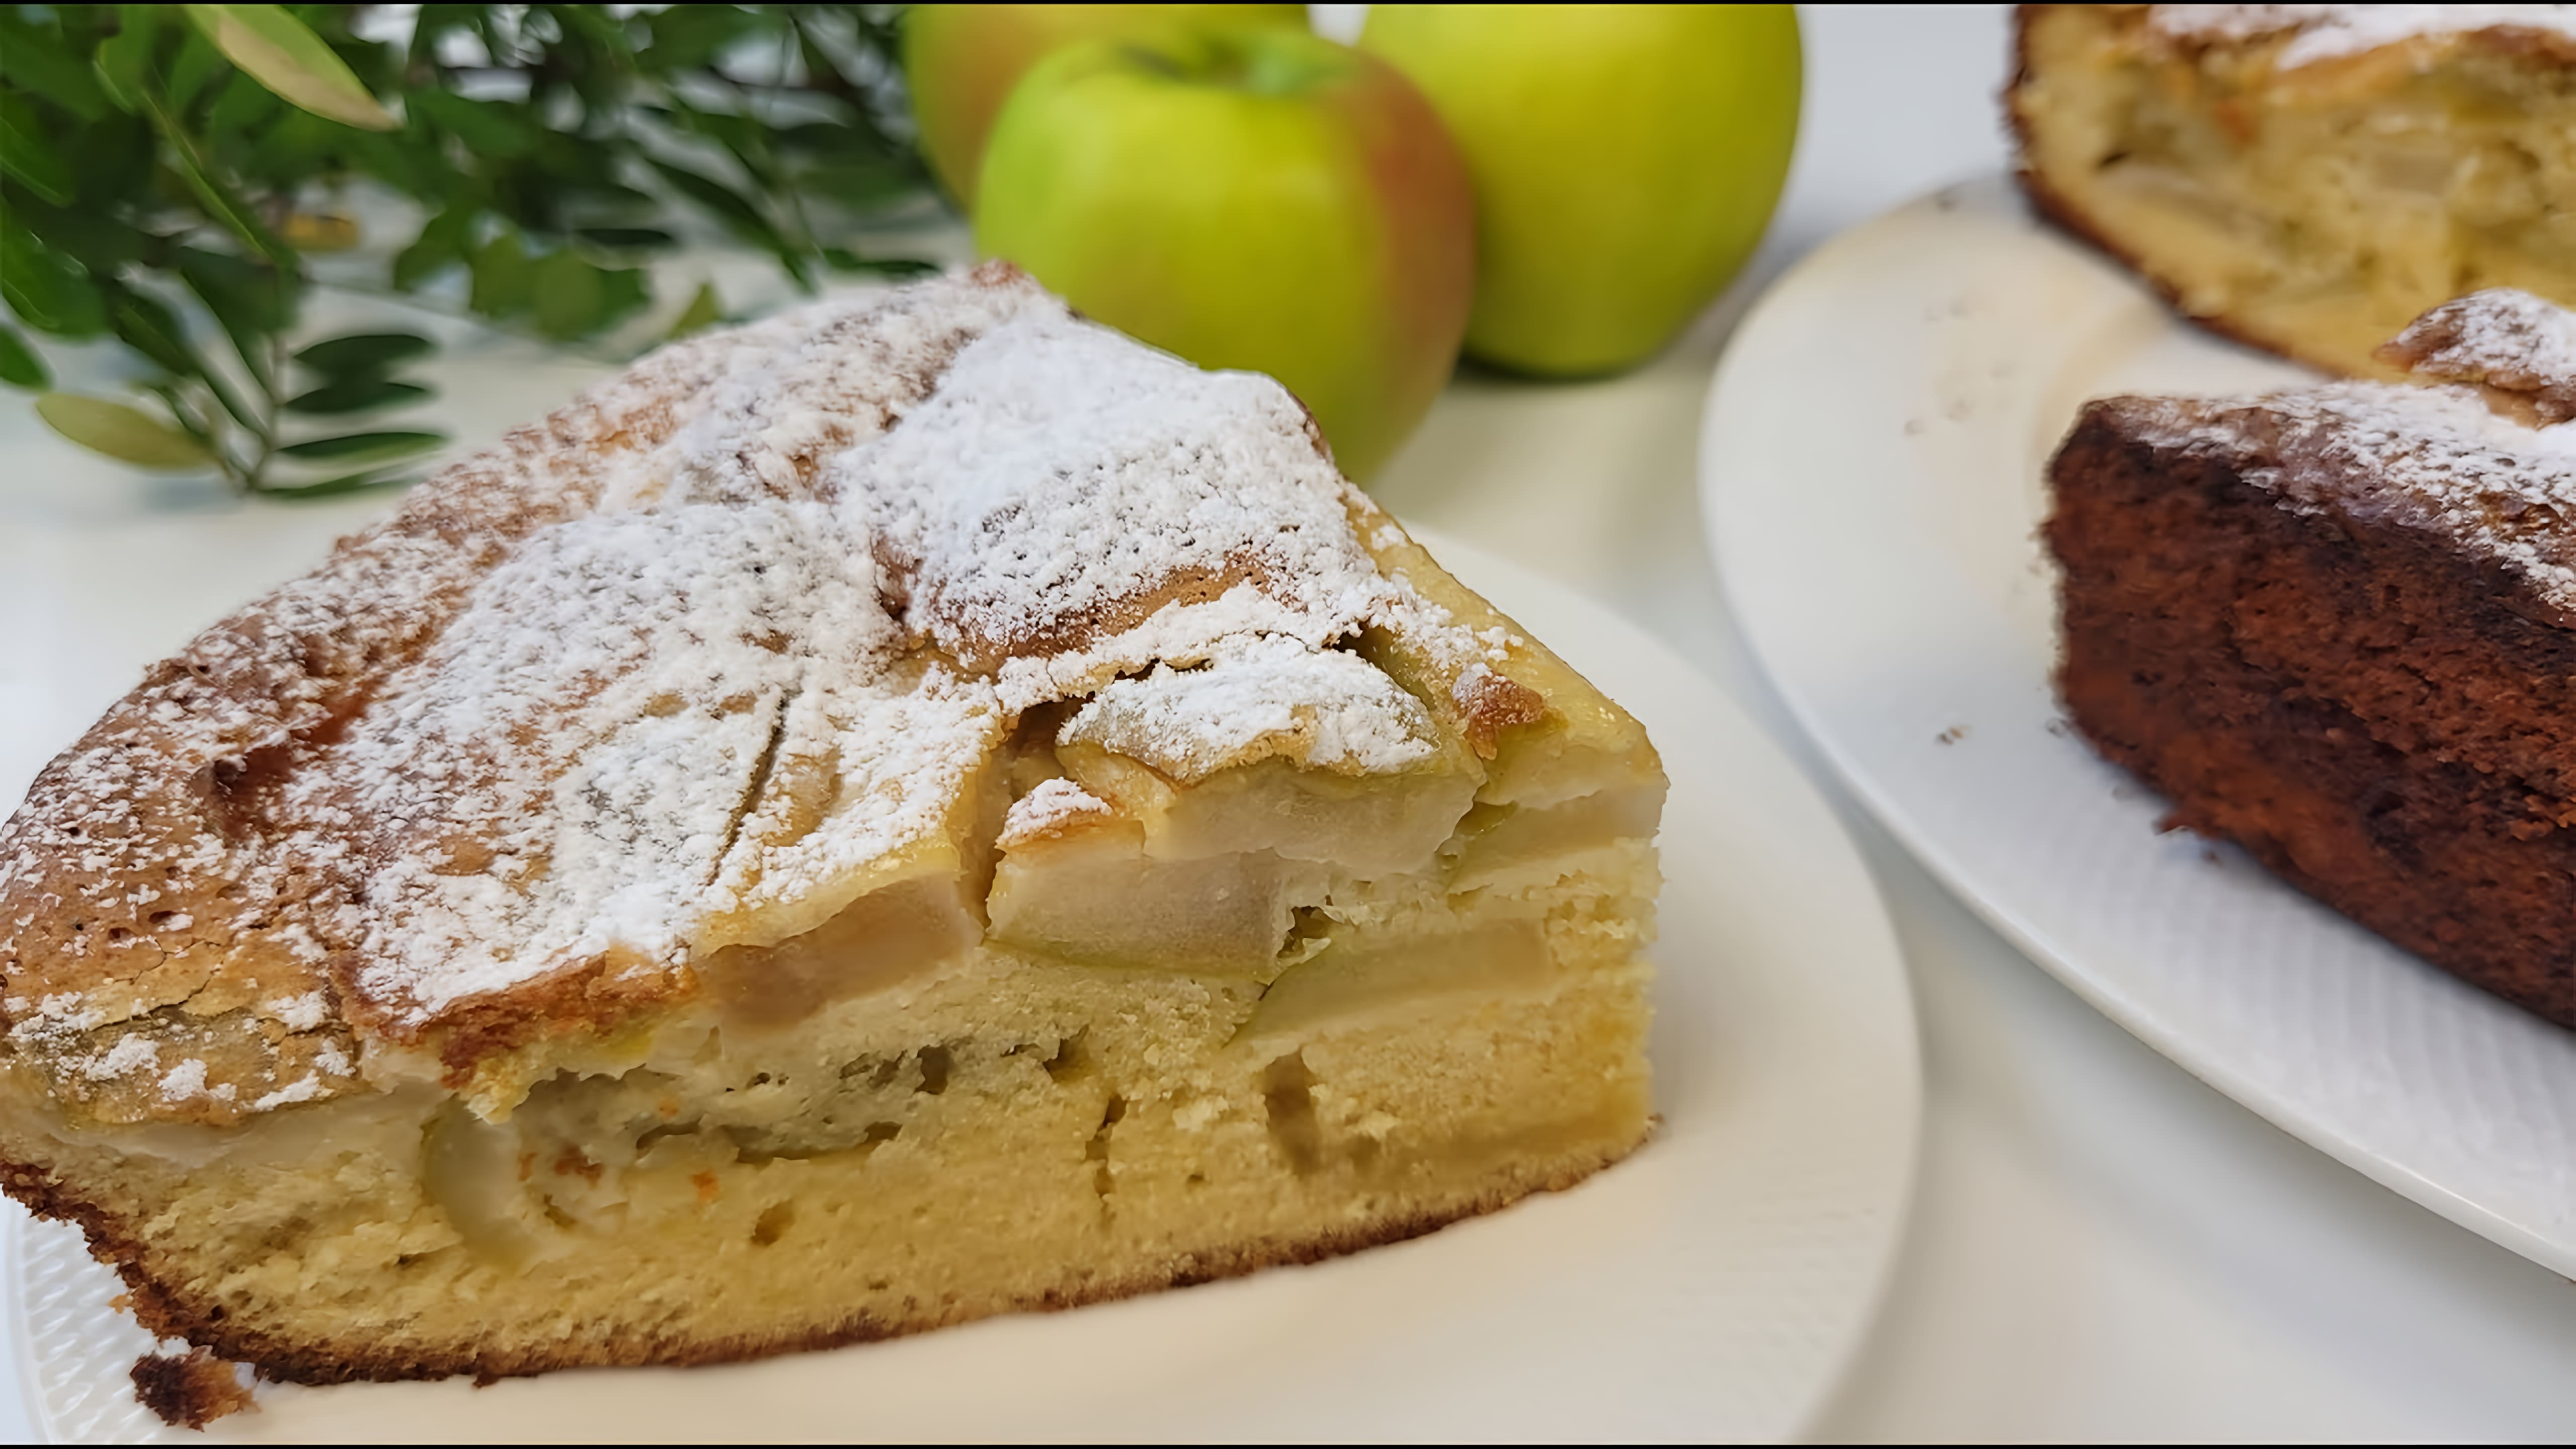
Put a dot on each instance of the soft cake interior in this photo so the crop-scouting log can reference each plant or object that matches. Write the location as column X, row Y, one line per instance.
column 1205, row 1021
column 2315, row 209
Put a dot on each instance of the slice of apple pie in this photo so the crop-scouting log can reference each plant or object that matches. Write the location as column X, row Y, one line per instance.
column 2308, row 178
column 906, row 811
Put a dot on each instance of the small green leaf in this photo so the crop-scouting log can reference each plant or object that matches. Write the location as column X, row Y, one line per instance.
column 487, row 128
column 283, row 54
column 242, row 106
column 860, row 186
column 102, row 240
column 368, row 448
column 46, row 292
column 393, row 158
column 575, row 168
column 353, row 449
column 111, row 161
column 126, row 434
column 28, row 156
column 726, row 204
column 37, row 63
column 363, row 354
column 249, row 302
column 738, row 215
column 195, row 67
column 623, row 292
column 142, row 323
column 842, row 259
column 704, row 310
column 245, row 289
column 336, row 487
column 685, row 36
column 218, row 198
column 433, row 21
column 296, row 145
column 20, row 366
column 835, row 138
column 567, row 294
column 123, row 61
column 441, row 244
column 501, row 277
column 356, row 395
column 628, row 238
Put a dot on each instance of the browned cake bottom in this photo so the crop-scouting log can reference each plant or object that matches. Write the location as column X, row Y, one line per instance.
column 2273, row 676
column 1169, row 1140
column 200, row 1385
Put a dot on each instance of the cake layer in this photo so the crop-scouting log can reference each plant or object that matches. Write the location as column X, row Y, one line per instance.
column 1023, row 1134
column 2371, row 704
column 2308, row 178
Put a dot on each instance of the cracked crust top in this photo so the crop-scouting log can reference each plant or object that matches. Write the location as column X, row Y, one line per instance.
column 693, row 662
column 2471, row 469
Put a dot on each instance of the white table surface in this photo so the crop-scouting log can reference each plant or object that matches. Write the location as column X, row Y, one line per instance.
column 2101, row 1246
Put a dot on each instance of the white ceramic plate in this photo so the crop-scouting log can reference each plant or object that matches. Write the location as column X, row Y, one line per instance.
column 1872, row 473
column 1712, row 1287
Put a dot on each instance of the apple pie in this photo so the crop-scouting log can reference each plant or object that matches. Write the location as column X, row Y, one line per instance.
column 916, row 809
column 2308, row 178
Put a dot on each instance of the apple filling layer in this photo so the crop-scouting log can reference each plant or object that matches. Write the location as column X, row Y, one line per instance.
column 1298, row 907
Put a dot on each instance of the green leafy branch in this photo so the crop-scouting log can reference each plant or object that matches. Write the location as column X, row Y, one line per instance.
column 168, row 173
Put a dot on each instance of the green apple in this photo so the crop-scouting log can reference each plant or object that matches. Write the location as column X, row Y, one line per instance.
column 1626, row 159
column 1259, row 199
column 961, row 61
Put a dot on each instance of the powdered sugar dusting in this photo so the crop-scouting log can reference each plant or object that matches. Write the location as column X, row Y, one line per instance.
column 2333, row 32
column 130, row 1054
column 1326, row 709
column 1048, row 809
column 188, row 1079
column 301, row 1013
column 587, row 730
column 304, row 1089
column 869, row 767
column 2429, row 458
column 721, row 645
column 2504, row 338
column 1075, row 506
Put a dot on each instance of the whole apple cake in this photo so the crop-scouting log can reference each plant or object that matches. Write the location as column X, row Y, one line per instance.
column 911, row 810
column 2307, row 178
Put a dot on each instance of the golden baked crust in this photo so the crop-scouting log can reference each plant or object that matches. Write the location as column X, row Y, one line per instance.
column 165, row 898
column 2307, row 179
column 217, row 879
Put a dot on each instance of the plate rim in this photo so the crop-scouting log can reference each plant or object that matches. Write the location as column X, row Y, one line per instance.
column 1928, row 845
column 1873, row 1244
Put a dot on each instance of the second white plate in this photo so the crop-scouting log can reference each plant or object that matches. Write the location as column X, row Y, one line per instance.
column 1711, row 1288
column 1871, row 470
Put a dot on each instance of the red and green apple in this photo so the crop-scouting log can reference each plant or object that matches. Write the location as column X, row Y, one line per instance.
column 1626, row 160
column 961, row 61
column 1246, row 198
